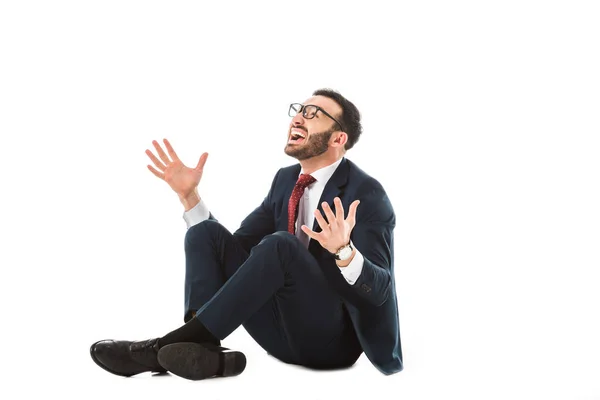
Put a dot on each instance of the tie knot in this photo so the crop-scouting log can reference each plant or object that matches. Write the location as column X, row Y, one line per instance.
column 304, row 180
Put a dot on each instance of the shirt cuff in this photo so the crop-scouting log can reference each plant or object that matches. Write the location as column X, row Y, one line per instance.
column 353, row 270
column 196, row 214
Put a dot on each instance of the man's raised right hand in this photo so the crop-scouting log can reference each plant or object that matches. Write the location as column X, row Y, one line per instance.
column 183, row 180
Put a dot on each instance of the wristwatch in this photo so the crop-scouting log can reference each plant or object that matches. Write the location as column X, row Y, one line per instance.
column 344, row 253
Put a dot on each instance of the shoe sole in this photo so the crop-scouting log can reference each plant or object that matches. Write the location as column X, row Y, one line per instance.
column 200, row 361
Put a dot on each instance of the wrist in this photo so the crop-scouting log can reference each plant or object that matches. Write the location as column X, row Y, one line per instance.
column 190, row 200
column 347, row 262
column 344, row 254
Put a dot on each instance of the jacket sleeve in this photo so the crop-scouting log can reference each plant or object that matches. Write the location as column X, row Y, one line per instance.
column 373, row 236
column 259, row 223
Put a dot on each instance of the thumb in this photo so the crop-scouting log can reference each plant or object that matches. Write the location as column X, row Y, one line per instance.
column 202, row 161
column 352, row 212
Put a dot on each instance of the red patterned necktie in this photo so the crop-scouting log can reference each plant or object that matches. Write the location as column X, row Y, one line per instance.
column 303, row 181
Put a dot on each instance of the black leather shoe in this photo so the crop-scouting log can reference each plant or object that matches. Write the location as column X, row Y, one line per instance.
column 199, row 361
column 125, row 358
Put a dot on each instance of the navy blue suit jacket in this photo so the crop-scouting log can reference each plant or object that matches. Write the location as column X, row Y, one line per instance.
column 371, row 301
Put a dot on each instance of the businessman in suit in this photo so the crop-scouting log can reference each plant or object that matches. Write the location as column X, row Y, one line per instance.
column 309, row 273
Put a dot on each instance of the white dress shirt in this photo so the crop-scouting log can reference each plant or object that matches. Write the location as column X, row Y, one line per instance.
column 306, row 209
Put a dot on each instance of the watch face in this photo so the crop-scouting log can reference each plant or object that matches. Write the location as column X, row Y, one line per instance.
column 345, row 253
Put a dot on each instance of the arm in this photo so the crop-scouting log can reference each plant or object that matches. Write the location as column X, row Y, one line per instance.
column 371, row 230
column 253, row 228
column 352, row 268
column 373, row 237
column 184, row 181
column 259, row 223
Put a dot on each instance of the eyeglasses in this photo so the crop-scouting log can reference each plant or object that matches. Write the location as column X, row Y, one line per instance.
column 309, row 111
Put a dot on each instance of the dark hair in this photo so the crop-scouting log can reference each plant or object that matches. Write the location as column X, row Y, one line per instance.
column 350, row 115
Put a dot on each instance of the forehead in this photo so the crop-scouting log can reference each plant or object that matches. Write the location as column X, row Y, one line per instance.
column 326, row 104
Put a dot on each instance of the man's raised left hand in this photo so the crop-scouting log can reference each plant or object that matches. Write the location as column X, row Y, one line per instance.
column 335, row 231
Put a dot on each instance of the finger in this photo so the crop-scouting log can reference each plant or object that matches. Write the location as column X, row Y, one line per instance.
column 155, row 160
column 156, row 173
column 201, row 162
column 339, row 209
column 352, row 212
column 322, row 223
column 310, row 233
column 328, row 213
column 161, row 153
column 170, row 150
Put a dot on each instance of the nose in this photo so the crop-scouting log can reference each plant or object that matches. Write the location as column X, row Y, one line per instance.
column 298, row 119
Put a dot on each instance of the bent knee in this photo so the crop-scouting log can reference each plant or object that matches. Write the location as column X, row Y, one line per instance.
column 283, row 235
column 280, row 237
column 202, row 231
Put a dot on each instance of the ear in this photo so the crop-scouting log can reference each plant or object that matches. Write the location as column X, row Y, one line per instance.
column 340, row 138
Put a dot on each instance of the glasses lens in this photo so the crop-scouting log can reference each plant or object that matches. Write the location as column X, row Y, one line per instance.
column 294, row 109
column 310, row 111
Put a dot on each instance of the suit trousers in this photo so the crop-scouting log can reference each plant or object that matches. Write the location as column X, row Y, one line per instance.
column 277, row 292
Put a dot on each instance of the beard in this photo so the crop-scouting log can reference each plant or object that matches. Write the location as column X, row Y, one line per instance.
column 316, row 144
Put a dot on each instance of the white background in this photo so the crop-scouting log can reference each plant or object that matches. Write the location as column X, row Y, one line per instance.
column 481, row 120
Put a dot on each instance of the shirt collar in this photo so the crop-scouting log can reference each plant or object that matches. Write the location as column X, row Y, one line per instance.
column 322, row 175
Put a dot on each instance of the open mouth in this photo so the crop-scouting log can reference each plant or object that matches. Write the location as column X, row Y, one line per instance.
column 297, row 137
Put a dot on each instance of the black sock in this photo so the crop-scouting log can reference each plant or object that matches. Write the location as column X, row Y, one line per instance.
column 192, row 331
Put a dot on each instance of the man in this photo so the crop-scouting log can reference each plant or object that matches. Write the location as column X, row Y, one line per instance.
column 309, row 273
